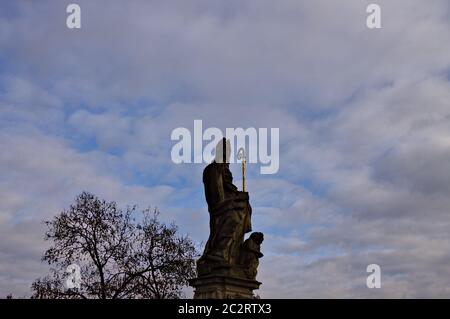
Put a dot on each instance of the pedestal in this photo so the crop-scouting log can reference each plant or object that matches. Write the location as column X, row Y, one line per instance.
column 223, row 287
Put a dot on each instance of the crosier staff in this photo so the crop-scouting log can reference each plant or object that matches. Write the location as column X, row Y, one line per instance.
column 241, row 156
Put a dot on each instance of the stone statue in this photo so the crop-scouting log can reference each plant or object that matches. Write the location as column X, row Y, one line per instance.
column 225, row 252
column 250, row 254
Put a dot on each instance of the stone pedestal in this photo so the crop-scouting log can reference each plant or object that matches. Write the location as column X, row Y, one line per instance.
column 223, row 287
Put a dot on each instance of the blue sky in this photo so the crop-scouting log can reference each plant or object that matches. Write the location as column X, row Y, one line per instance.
column 363, row 117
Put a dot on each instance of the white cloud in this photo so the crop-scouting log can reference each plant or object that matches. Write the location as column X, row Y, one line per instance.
column 363, row 118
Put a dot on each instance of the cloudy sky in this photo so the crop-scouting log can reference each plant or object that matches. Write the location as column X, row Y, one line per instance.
column 364, row 118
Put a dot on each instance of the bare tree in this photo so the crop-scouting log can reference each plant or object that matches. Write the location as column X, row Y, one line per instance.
column 120, row 254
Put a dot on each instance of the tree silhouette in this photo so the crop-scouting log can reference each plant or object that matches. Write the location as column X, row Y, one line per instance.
column 118, row 255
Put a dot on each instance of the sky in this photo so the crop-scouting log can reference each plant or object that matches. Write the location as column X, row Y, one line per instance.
column 364, row 119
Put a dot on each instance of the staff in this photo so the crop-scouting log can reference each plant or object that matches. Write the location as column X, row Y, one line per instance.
column 241, row 156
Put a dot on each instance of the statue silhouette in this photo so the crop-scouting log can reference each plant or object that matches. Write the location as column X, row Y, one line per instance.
column 230, row 214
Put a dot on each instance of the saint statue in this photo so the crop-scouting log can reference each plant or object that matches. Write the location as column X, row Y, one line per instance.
column 230, row 214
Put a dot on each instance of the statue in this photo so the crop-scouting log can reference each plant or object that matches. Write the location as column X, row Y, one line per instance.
column 250, row 254
column 230, row 212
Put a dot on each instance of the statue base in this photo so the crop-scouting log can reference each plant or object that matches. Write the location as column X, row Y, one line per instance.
column 223, row 287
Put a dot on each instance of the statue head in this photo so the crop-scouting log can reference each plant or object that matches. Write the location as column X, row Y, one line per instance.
column 223, row 151
column 257, row 237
